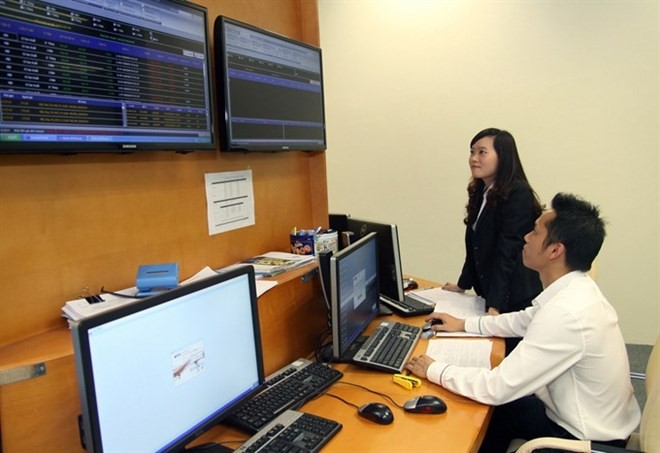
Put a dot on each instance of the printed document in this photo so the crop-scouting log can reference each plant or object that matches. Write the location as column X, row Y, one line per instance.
column 468, row 353
column 459, row 305
column 229, row 200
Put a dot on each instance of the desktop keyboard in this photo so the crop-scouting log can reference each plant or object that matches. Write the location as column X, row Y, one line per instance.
column 292, row 431
column 389, row 347
column 287, row 388
column 408, row 307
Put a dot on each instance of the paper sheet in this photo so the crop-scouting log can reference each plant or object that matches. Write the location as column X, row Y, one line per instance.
column 80, row 308
column 229, row 200
column 467, row 353
column 460, row 305
column 262, row 285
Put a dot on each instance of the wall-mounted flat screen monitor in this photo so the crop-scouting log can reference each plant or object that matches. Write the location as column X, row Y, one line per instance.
column 157, row 373
column 354, row 294
column 270, row 88
column 105, row 76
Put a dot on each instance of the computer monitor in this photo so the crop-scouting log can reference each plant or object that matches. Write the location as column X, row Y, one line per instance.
column 270, row 90
column 389, row 257
column 354, row 294
column 157, row 373
column 81, row 76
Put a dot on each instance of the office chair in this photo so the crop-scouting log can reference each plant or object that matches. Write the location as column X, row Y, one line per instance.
column 648, row 438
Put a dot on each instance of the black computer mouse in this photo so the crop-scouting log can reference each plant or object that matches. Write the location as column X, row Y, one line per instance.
column 432, row 322
column 376, row 412
column 425, row 404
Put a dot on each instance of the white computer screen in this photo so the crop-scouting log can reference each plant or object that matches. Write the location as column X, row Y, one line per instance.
column 154, row 376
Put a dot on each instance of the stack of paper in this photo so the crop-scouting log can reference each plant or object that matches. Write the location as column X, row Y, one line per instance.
column 459, row 305
column 77, row 309
column 274, row 263
column 464, row 352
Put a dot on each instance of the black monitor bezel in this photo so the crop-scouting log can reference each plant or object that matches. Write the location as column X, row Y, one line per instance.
column 340, row 350
column 389, row 255
column 228, row 144
column 127, row 146
column 83, row 361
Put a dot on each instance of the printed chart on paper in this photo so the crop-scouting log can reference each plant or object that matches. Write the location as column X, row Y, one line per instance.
column 230, row 200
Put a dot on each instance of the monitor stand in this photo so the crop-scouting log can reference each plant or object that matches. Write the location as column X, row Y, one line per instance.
column 347, row 356
column 383, row 310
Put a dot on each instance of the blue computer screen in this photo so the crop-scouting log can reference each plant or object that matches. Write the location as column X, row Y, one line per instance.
column 355, row 291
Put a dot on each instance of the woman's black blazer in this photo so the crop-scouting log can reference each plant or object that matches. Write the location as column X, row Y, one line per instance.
column 493, row 262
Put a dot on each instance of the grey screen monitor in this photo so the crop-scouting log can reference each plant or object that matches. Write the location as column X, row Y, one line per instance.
column 389, row 257
column 157, row 373
column 355, row 294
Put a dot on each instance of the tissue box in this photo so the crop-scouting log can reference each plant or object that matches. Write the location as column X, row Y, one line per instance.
column 312, row 242
column 326, row 241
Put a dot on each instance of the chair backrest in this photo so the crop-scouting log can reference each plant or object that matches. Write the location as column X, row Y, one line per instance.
column 649, row 434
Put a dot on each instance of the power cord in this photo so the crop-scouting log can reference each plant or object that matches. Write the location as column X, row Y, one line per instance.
column 324, row 343
column 96, row 298
column 127, row 296
column 374, row 392
column 400, row 406
column 340, row 399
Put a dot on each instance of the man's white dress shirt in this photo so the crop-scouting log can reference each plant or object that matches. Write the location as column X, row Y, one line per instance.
column 572, row 356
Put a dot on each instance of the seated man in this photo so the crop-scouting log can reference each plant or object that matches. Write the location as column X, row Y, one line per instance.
column 569, row 377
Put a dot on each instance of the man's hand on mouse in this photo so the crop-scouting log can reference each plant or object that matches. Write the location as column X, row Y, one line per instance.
column 449, row 323
column 419, row 365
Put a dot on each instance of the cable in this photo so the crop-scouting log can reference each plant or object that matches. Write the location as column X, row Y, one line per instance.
column 323, row 269
column 400, row 406
column 340, row 399
column 322, row 345
column 127, row 296
column 374, row 392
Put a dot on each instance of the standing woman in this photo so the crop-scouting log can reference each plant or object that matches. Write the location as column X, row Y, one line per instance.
column 501, row 210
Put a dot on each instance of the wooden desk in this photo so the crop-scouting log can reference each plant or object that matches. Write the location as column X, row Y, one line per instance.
column 40, row 414
column 460, row 429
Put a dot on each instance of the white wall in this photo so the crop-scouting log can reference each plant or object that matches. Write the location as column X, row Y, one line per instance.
column 408, row 83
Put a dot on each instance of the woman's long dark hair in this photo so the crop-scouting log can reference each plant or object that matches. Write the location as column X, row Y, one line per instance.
column 509, row 169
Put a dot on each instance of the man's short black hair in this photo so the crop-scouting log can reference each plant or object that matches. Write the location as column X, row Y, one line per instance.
column 577, row 225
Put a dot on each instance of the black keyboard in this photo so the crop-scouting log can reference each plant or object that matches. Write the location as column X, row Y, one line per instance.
column 294, row 432
column 389, row 347
column 408, row 307
column 287, row 388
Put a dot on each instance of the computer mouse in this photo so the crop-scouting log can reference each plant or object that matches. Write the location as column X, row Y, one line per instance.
column 432, row 322
column 376, row 412
column 425, row 404
column 409, row 284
